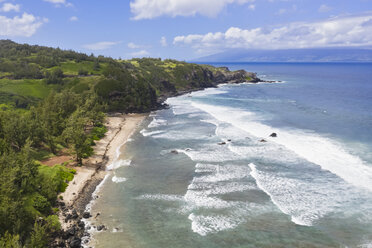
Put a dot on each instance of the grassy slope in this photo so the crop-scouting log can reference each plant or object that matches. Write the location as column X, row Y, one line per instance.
column 164, row 77
column 26, row 87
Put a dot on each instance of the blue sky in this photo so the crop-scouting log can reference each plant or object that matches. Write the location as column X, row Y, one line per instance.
column 186, row 29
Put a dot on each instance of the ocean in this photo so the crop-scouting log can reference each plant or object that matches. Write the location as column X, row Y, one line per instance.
column 206, row 173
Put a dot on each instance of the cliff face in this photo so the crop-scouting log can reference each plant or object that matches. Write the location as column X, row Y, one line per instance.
column 235, row 77
column 208, row 77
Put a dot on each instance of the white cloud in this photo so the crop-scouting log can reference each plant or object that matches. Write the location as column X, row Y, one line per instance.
column 252, row 7
column 103, row 45
column 141, row 53
column 351, row 31
column 289, row 10
column 324, row 8
column 74, row 18
column 58, row 3
column 131, row 45
column 7, row 7
column 163, row 41
column 25, row 25
column 148, row 9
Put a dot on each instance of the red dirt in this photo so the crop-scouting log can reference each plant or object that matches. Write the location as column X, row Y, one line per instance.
column 57, row 160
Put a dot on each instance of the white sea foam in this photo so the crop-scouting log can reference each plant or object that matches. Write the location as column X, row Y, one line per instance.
column 116, row 230
column 178, row 135
column 221, row 173
column 156, row 122
column 208, row 92
column 220, row 189
column 210, row 182
column 116, row 179
column 211, row 153
column 180, row 106
column 204, row 225
column 118, row 164
column 367, row 244
column 146, row 133
column 201, row 199
column 267, row 152
column 320, row 150
column 204, row 192
column 211, row 121
column 306, row 201
column 163, row 197
column 227, row 131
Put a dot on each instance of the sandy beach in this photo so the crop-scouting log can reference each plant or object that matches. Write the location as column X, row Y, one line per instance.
column 79, row 191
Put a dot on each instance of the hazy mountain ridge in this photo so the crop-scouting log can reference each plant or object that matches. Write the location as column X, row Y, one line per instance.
column 292, row 55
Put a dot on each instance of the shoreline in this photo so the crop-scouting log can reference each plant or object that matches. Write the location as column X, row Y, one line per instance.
column 72, row 213
column 79, row 192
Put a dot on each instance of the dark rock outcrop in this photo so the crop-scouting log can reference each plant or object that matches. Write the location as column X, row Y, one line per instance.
column 86, row 215
column 101, row 227
column 75, row 243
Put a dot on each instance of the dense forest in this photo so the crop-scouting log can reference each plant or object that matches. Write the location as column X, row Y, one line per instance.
column 52, row 100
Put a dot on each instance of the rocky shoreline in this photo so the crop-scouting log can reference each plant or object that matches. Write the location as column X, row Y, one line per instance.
column 74, row 215
column 75, row 232
column 72, row 209
column 213, row 79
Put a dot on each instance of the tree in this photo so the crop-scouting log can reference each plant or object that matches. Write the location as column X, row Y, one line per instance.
column 14, row 128
column 76, row 135
column 83, row 72
column 39, row 236
column 10, row 241
column 17, row 181
column 49, row 121
column 93, row 108
column 43, row 230
column 96, row 65
column 54, row 77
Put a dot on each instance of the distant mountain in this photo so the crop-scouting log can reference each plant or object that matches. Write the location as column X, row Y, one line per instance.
column 292, row 55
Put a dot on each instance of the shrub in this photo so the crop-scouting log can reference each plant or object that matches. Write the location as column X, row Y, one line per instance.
column 40, row 203
column 98, row 132
column 83, row 72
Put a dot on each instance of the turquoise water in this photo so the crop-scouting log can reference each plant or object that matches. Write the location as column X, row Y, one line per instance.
column 177, row 185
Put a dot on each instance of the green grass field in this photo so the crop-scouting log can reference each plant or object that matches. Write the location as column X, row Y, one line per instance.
column 73, row 68
column 26, row 87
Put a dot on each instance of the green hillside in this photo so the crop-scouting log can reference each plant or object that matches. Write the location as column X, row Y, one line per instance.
column 52, row 103
column 30, row 73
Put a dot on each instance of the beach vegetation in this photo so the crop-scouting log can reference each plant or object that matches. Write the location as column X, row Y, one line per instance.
column 53, row 101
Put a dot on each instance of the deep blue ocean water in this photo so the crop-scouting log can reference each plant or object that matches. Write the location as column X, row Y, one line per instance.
column 206, row 173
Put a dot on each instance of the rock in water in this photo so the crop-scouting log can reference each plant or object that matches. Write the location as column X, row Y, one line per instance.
column 75, row 243
column 74, row 214
column 100, row 228
column 274, row 135
column 263, row 140
column 86, row 215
